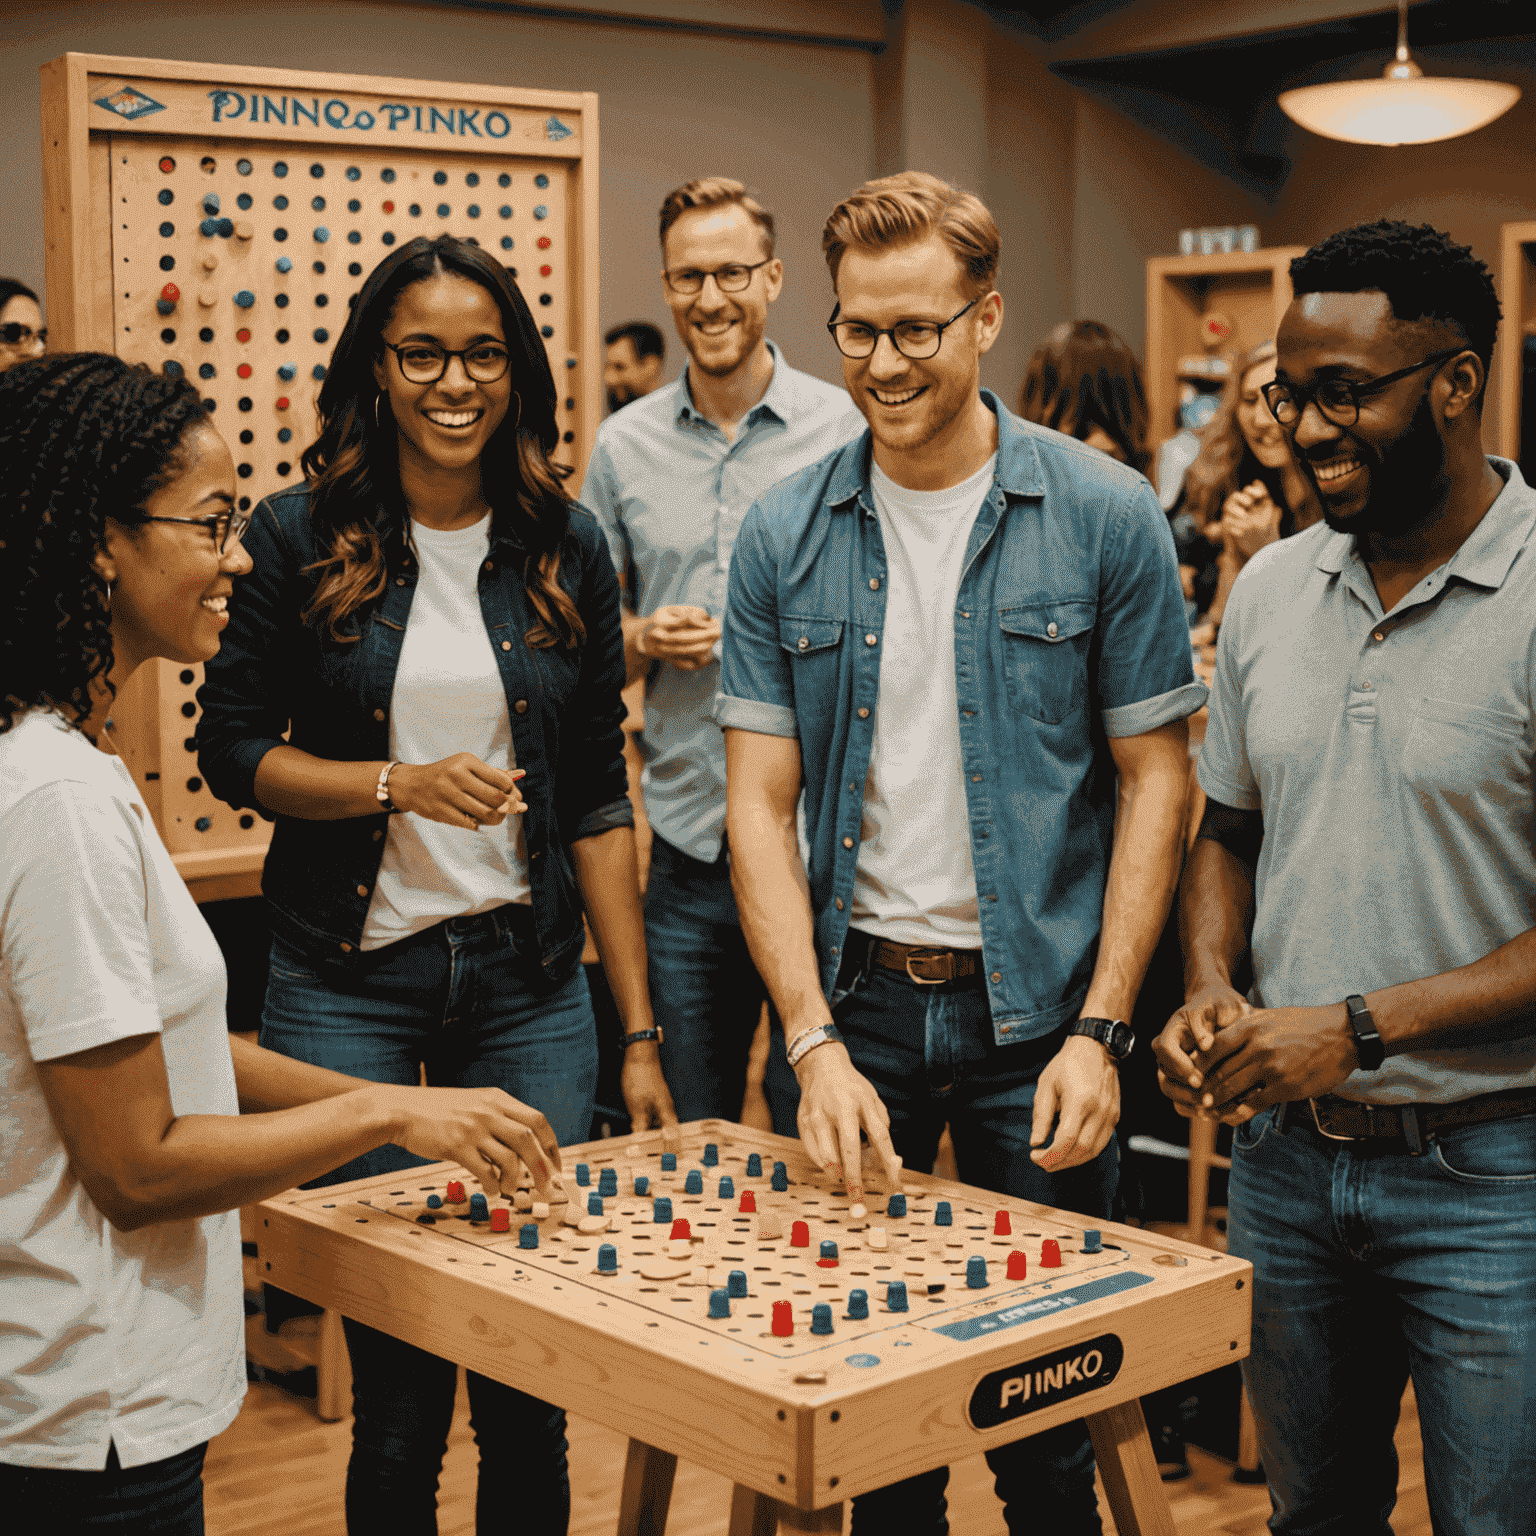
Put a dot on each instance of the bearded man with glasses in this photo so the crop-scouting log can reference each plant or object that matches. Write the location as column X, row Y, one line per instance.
column 1368, row 844
column 670, row 479
column 951, row 638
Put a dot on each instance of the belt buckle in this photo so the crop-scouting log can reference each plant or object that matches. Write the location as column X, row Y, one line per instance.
column 930, row 954
column 1331, row 1135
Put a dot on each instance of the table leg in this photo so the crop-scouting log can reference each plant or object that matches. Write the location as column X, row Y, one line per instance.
column 647, row 1492
column 1123, row 1449
column 752, row 1513
column 810, row 1522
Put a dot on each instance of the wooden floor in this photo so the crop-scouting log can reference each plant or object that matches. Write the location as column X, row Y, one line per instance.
column 279, row 1469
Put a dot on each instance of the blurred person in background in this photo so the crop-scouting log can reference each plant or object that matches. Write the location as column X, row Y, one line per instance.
column 23, row 334
column 1085, row 381
column 632, row 361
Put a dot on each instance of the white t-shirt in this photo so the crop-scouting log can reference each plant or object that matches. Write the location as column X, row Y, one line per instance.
column 106, row 1337
column 448, row 698
column 915, row 883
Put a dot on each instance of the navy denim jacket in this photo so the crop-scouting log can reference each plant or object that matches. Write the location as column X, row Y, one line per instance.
column 1069, row 630
column 274, row 673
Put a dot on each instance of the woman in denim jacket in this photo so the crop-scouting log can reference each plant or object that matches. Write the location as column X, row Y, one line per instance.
column 435, row 626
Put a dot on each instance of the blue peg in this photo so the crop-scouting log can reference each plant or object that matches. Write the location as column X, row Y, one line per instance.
column 719, row 1304
column 896, row 1296
column 821, row 1318
column 858, row 1305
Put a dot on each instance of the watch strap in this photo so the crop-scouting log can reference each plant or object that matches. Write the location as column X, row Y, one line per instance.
column 1368, row 1042
column 1115, row 1035
column 654, row 1033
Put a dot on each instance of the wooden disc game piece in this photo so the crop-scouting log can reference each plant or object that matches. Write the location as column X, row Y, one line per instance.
column 539, row 1210
column 664, row 1269
column 591, row 1224
column 769, row 1228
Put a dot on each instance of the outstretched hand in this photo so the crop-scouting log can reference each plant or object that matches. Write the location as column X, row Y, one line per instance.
column 1079, row 1091
column 837, row 1103
column 484, row 1129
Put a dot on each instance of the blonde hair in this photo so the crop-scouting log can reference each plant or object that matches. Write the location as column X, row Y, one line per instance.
column 715, row 192
column 909, row 207
column 1225, row 460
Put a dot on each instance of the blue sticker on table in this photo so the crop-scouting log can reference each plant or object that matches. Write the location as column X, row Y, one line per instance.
column 863, row 1361
column 1044, row 1305
column 555, row 130
column 128, row 102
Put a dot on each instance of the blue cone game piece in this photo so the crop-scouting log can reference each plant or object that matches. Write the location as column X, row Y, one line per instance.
column 828, row 1248
column 583, row 1174
column 1093, row 1240
column 711, row 1154
column 478, row 1209
column 976, row 1272
column 528, row 1235
column 780, row 1177
column 245, row 298
column 662, row 1209
column 434, row 1202
column 285, row 264
column 210, row 202
column 594, row 1205
column 858, row 1305
column 226, row 227
column 286, row 371
column 896, row 1296
column 942, row 1215
column 694, row 1183
column 754, row 1165
column 208, row 227
column 821, row 1318
column 642, row 1184
column 736, row 1283
column 727, row 1187
column 165, row 306
column 896, row 1205
column 608, row 1181
column 669, row 1162
column 719, row 1304
column 607, row 1259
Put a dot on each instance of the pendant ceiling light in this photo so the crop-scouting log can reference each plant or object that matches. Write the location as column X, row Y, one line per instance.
column 1404, row 107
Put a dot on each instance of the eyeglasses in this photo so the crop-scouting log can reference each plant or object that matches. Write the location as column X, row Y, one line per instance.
column 15, row 334
column 423, row 362
column 916, row 339
column 1338, row 400
column 734, row 278
column 227, row 528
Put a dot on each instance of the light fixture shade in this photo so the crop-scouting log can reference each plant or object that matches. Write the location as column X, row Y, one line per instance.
column 1413, row 111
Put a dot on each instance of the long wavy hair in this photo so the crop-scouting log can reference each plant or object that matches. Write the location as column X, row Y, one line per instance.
column 1225, row 461
column 353, row 467
column 84, row 437
column 1084, row 376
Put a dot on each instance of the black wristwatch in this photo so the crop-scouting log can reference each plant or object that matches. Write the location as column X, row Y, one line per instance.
column 1113, row 1034
column 654, row 1033
column 1368, row 1044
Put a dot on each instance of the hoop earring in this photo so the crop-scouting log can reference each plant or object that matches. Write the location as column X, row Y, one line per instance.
column 517, row 420
column 109, row 594
column 377, row 423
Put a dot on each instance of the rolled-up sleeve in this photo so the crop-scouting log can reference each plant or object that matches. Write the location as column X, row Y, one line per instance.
column 756, row 684
column 1145, row 676
column 244, row 692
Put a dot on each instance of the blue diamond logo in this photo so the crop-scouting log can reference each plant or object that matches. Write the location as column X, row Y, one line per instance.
column 128, row 101
column 555, row 130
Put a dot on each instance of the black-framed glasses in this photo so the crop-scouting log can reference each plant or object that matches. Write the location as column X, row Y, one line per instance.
column 227, row 528
column 424, row 362
column 1338, row 400
column 916, row 339
column 15, row 334
column 736, row 277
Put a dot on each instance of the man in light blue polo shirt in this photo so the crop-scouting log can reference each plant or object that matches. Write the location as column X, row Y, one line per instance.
column 1372, row 816
column 670, row 479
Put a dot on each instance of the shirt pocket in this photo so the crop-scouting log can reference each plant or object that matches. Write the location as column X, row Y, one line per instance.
column 1459, row 752
column 809, row 637
column 1045, row 656
column 815, row 647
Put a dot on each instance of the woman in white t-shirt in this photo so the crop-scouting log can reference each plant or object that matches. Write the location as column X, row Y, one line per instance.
column 123, row 1152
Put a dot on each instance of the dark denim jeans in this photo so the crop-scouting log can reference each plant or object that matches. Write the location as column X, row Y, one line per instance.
column 705, row 991
column 465, row 1000
column 1369, row 1268
column 930, row 1054
column 164, row 1498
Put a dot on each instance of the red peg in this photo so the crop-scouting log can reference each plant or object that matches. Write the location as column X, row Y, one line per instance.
column 799, row 1235
column 1018, row 1266
column 680, row 1230
column 1050, row 1254
column 167, row 164
column 455, row 1193
column 282, row 402
column 171, row 293
column 244, row 370
column 242, row 334
column 543, row 242
column 1001, row 1226
column 389, row 207
column 545, row 270
column 501, row 1219
column 748, row 1201
column 783, row 1321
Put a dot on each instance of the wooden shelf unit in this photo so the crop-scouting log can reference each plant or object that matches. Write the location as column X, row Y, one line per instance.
column 1517, row 293
column 1252, row 288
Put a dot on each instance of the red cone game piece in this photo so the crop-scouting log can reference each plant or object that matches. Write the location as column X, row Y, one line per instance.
column 1001, row 1226
column 1018, row 1266
column 799, row 1235
column 748, row 1201
column 501, row 1219
column 171, row 293
column 783, row 1322
column 680, row 1230
column 1050, row 1254
column 455, row 1192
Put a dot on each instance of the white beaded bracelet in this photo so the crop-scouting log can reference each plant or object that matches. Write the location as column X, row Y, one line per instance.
column 807, row 1040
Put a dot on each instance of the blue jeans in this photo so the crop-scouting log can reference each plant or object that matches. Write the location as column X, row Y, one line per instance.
column 464, row 1000
column 930, row 1054
column 1371, row 1267
column 164, row 1498
column 705, row 991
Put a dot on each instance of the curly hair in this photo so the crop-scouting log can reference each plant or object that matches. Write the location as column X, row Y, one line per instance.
column 1084, row 376
column 1423, row 272
column 353, row 467
column 84, row 437
column 1225, row 461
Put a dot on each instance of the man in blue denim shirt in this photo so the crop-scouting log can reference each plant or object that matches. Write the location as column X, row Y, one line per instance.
column 954, row 634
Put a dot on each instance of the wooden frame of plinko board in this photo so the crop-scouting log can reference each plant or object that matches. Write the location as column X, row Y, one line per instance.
column 218, row 218
column 1252, row 288
column 1517, row 294
column 802, row 1422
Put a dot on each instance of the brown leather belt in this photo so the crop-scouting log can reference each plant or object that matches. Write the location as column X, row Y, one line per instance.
column 1350, row 1120
column 923, row 963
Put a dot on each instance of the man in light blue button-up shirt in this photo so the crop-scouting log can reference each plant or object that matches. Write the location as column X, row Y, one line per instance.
column 670, row 479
